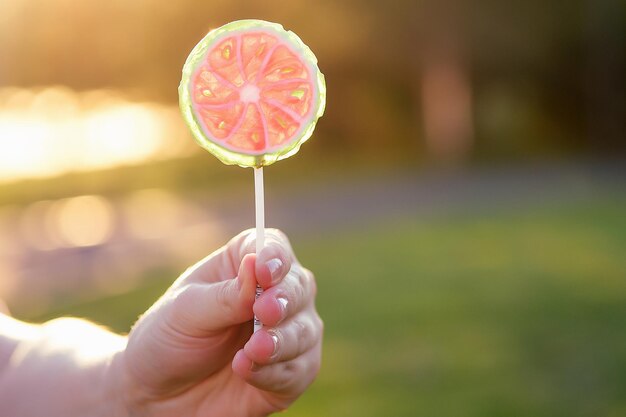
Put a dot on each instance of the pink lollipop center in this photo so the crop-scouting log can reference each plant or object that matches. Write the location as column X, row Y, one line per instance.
column 253, row 93
column 250, row 93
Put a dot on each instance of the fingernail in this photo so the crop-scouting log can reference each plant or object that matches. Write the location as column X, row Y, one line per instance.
column 282, row 302
column 274, row 265
column 275, row 340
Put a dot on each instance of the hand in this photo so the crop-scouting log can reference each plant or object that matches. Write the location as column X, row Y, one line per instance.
column 193, row 352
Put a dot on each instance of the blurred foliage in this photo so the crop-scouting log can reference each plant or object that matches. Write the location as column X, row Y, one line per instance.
column 499, row 313
column 546, row 77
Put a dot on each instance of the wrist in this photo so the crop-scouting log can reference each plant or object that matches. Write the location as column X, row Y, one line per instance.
column 87, row 354
column 122, row 390
column 116, row 390
column 66, row 364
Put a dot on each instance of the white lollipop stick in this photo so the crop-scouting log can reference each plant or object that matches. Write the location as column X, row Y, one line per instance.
column 259, row 206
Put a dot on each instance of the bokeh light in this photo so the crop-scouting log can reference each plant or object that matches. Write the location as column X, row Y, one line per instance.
column 55, row 130
column 81, row 221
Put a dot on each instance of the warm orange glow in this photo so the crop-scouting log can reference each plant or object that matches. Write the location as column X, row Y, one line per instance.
column 56, row 130
column 69, row 222
column 82, row 221
column 154, row 213
column 446, row 101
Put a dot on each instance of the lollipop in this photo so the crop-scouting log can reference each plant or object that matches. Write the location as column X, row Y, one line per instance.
column 251, row 93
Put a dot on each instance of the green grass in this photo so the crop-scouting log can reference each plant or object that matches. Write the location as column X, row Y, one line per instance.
column 513, row 313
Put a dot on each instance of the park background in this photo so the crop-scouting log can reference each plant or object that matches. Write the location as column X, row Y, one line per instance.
column 462, row 201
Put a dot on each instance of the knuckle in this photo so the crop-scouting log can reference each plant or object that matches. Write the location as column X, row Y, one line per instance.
column 288, row 373
column 306, row 333
column 301, row 331
column 306, row 283
column 279, row 235
column 248, row 244
column 290, row 369
column 185, row 295
column 301, row 277
column 223, row 299
column 244, row 234
column 319, row 324
column 179, row 305
column 240, row 240
column 238, row 247
column 300, row 291
column 276, row 249
column 242, row 244
column 316, row 365
column 308, row 275
column 310, row 280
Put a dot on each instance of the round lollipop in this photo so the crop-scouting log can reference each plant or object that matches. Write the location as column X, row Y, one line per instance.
column 251, row 93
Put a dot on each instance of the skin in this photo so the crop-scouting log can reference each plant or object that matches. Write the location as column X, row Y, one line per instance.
column 191, row 354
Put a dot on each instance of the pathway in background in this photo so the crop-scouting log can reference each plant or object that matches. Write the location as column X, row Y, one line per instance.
column 308, row 209
column 332, row 206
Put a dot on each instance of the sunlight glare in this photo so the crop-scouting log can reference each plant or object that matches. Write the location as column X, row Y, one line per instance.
column 56, row 130
column 87, row 220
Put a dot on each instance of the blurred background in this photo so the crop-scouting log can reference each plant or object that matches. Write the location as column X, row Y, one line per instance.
column 462, row 201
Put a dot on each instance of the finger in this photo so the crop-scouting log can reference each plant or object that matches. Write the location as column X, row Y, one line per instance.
column 289, row 377
column 200, row 308
column 273, row 263
column 275, row 259
column 287, row 341
column 291, row 295
column 220, row 265
column 223, row 263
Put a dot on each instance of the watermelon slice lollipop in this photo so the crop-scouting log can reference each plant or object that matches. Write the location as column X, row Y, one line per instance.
column 251, row 93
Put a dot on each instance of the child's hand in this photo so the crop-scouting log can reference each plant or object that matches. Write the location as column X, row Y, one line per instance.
column 193, row 351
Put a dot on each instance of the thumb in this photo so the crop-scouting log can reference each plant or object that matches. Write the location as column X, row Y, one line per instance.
column 201, row 308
